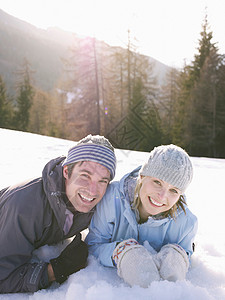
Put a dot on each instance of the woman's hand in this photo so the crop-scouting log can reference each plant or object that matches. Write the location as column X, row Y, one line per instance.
column 135, row 264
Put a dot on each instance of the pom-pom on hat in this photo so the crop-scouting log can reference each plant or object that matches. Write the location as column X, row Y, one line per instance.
column 94, row 148
column 169, row 163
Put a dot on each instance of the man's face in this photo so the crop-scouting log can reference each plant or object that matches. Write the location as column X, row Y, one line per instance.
column 86, row 185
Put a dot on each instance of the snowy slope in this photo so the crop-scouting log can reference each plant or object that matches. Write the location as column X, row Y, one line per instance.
column 23, row 155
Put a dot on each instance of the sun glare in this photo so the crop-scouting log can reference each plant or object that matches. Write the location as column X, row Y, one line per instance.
column 164, row 29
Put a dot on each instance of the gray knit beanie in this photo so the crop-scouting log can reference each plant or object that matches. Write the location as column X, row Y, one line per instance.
column 169, row 163
column 94, row 148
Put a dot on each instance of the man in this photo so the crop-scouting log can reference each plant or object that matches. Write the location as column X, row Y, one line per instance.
column 50, row 209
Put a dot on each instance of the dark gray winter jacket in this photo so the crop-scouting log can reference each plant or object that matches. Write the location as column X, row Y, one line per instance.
column 33, row 214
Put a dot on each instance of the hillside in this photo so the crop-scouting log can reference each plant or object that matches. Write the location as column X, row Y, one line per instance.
column 44, row 49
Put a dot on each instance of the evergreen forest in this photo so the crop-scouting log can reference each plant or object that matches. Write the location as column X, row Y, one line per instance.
column 116, row 94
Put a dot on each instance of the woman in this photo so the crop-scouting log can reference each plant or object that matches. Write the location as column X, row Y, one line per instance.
column 143, row 226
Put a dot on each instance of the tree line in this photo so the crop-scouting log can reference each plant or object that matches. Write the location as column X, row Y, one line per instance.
column 113, row 92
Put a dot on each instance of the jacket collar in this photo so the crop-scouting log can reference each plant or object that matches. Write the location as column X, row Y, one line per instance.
column 54, row 188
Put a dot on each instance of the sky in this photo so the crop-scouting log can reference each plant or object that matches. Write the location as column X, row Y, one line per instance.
column 23, row 155
column 165, row 30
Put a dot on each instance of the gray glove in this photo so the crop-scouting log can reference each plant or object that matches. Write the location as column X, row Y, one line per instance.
column 172, row 262
column 135, row 264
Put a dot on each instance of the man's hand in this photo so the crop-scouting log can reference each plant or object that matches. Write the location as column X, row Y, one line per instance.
column 51, row 275
column 72, row 259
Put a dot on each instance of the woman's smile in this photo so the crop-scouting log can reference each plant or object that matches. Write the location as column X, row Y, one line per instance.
column 154, row 202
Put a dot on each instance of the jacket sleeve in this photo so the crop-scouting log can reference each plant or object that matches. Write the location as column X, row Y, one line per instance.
column 102, row 226
column 18, row 231
column 187, row 241
column 184, row 231
column 26, row 278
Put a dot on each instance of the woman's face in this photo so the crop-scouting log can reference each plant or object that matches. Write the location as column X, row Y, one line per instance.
column 156, row 196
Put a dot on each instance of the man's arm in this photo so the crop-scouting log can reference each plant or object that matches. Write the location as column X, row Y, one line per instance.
column 20, row 226
column 31, row 277
column 102, row 227
column 26, row 278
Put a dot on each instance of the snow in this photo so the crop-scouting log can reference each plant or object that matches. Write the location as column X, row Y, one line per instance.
column 23, row 155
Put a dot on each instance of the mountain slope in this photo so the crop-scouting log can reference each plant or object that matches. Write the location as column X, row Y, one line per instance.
column 44, row 49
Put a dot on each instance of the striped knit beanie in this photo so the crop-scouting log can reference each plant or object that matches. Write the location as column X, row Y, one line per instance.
column 169, row 163
column 94, row 148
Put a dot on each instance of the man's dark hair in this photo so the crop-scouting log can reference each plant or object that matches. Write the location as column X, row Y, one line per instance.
column 70, row 167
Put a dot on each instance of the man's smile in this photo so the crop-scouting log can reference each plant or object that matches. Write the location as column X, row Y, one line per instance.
column 85, row 198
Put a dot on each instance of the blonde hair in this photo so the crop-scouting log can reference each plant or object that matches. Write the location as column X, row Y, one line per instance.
column 172, row 212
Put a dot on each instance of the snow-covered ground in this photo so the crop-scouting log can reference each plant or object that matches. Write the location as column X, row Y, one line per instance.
column 23, row 155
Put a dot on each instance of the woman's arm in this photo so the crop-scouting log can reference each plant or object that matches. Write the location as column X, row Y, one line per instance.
column 102, row 227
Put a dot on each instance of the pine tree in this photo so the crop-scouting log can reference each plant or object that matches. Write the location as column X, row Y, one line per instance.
column 219, row 144
column 45, row 115
column 168, row 104
column 2, row 103
column 137, row 125
column 196, row 119
column 115, row 89
column 204, row 49
column 203, row 74
column 83, row 81
column 6, row 110
column 25, row 97
column 180, row 131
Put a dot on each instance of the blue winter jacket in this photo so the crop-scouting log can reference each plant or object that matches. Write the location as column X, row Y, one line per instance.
column 114, row 220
